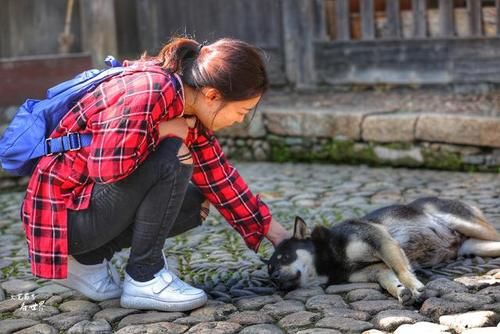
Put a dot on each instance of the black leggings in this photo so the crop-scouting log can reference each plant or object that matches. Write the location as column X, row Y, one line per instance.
column 155, row 202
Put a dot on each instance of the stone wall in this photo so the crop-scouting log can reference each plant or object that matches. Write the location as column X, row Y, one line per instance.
column 375, row 137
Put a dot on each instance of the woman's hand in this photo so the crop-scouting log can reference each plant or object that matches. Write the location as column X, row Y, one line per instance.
column 277, row 233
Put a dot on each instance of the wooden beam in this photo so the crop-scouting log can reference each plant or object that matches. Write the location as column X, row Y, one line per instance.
column 474, row 12
column 342, row 20
column 320, row 22
column 393, row 19
column 419, row 9
column 367, row 20
column 446, row 20
column 98, row 29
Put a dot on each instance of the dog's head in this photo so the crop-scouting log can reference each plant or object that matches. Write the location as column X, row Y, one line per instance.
column 292, row 264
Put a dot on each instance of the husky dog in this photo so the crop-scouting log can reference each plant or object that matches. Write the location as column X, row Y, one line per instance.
column 384, row 246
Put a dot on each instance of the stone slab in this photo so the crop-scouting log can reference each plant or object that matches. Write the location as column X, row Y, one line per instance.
column 389, row 128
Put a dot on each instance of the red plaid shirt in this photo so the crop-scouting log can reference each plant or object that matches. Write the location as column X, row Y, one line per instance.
column 122, row 115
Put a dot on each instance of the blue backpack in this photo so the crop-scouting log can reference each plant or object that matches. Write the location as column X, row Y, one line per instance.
column 26, row 138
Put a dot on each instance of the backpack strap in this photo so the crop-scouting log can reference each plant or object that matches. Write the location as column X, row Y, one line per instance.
column 71, row 142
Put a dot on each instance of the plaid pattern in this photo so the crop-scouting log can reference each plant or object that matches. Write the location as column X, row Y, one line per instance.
column 122, row 115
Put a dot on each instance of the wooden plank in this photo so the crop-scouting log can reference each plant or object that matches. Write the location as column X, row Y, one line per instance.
column 342, row 20
column 367, row 20
column 419, row 9
column 298, row 32
column 320, row 23
column 446, row 20
column 407, row 61
column 98, row 29
column 474, row 11
column 497, row 5
column 393, row 19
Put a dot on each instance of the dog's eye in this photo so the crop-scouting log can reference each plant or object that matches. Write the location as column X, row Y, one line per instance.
column 285, row 257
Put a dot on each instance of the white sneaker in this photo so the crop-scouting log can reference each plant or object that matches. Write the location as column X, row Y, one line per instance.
column 98, row 281
column 165, row 292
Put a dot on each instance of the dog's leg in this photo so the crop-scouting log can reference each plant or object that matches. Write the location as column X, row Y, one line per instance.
column 391, row 253
column 480, row 248
column 383, row 275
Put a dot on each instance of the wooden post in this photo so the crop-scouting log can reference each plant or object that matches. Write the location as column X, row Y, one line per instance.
column 393, row 19
column 367, row 20
column 98, row 29
column 497, row 5
column 299, row 36
column 419, row 8
column 342, row 19
column 446, row 21
column 474, row 12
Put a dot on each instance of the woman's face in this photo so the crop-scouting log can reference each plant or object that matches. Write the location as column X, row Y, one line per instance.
column 218, row 115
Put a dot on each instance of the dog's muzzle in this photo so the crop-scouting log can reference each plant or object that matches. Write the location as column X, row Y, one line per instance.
column 286, row 282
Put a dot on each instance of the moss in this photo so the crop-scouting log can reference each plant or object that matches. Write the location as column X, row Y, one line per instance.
column 443, row 160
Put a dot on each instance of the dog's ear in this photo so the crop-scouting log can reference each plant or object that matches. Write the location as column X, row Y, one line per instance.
column 300, row 228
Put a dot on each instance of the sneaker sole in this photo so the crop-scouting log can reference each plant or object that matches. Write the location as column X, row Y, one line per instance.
column 87, row 291
column 145, row 303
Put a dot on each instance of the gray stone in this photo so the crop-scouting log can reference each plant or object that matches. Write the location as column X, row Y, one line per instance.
column 15, row 286
column 344, row 324
column 346, row 313
column 444, row 286
column 99, row 326
column 39, row 329
column 298, row 320
column 148, row 318
column 313, row 123
column 159, row 327
column 364, row 294
column 79, row 306
column 376, row 306
column 215, row 327
column 110, row 303
column 459, row 129
column 317, row 303
column 342, row 288
column 477, row 282
column 41, row 312
column 389, row 128
column 422, row 327
column 319, row 331
column 51, row 289
column 476, row 301
column 54, row 300
column 391, row 319
column 2, row 295
column 10, row 305
column 262, row 329
column 394, row 155
column 461, row 322
column 255, row 303
column 192, row 320
column 436, row 307
column 280, row 309
column 12, row 325
column 113, row 315
column 374, row 331
column 250, row 318
column 304, row 293
column 66, row 320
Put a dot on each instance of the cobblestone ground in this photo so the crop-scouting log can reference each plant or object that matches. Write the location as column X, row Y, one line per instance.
column 242, row 300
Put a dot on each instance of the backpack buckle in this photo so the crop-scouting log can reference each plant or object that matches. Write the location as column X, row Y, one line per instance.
column 77, row 141
column 48, row 152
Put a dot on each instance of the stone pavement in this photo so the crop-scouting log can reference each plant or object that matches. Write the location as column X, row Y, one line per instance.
column 465, row 293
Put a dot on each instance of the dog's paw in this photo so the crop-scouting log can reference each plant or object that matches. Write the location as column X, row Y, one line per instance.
column 405, row 296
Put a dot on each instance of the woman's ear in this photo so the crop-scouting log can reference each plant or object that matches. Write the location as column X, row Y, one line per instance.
column 211, row 94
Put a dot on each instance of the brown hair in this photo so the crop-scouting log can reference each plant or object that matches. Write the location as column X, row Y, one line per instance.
column 233, row 67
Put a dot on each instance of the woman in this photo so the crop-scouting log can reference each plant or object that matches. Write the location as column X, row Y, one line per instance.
column 152, row 133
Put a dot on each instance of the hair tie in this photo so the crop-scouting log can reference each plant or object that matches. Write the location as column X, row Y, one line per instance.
column 201, row 45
